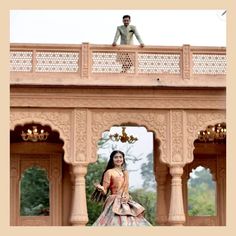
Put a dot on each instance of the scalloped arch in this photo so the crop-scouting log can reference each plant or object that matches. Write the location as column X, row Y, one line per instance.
column 57, row 120
column 196, row 121
column 155, row 121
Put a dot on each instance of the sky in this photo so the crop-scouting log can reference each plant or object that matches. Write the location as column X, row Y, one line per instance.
column 156, row 27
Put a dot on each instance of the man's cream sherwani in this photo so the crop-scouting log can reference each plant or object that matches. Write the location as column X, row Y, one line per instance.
column 126, row 34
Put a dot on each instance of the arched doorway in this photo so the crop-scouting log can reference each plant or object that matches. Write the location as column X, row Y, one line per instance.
column 40, row 182
column 136, row 142
column 209, row 152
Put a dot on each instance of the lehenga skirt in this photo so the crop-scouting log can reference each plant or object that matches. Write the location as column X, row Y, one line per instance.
column 118, row 213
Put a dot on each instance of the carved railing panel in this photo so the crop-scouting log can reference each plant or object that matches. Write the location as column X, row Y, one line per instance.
column 21, row 61
column 159, row 63
column 45, row 58
column 105, row 63
column 57, row 61
column 212, row 64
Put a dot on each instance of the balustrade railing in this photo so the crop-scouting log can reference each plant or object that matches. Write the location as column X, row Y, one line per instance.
column 89, row 60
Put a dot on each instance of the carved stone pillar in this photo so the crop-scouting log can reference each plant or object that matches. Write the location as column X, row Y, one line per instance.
column 79, row 215
column 56, row 180
column 14, row 189
column 221, row 188
column 160, row 171
column 176, row 213
column 162, row 218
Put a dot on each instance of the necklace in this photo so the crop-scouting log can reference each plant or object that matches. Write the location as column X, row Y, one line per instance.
column 119, row 171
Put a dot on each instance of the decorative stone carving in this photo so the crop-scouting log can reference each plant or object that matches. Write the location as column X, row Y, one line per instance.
column 155, row 121
column 59, row 120
column 186, row 62
column 80, row 110
column 199, row 120
column 176, row 136
column 85, row 60
column 80, row 134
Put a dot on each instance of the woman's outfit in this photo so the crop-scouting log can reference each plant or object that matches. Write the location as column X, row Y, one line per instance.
column 118, row 210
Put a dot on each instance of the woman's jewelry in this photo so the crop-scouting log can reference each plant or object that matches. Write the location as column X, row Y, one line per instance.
column 119, row 171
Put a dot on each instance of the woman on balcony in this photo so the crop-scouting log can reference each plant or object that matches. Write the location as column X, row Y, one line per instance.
column 119, row 209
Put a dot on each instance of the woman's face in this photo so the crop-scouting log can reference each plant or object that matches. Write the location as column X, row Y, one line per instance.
column 118, row 160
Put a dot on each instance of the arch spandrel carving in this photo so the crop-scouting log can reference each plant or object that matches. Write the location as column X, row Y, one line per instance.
column 57, row 120
column 199, row 120
column 156, row 121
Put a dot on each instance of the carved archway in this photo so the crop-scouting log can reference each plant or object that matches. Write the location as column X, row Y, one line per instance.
column 154, row 142
column 154, row 121
column 199, row 120
column 209, row 155
column 59, row 120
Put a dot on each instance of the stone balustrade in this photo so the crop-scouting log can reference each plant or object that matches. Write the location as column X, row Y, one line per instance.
column 90, row 64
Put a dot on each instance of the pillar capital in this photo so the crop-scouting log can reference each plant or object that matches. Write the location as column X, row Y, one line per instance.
column 176, row 170
column 80, row 168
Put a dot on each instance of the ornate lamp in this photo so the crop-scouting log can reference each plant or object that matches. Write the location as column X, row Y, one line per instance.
column 123, row 138
column 34, row 135
column 212, row 133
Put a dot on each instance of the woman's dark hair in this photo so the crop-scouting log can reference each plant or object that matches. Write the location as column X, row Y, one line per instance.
column 126, row 16
column 97, row 196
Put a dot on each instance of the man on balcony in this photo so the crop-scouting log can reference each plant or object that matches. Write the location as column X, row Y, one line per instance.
column 126, row 32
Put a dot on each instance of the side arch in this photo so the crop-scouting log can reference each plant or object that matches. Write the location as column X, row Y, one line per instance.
column 199, row 120
column 59, row 121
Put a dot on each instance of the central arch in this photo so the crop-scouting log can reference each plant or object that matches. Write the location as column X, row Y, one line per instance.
column 154, row 121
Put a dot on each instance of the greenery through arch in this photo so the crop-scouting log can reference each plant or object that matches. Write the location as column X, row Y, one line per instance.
column 34, row 192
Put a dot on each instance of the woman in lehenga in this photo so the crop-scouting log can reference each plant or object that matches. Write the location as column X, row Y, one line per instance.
column 119, row 209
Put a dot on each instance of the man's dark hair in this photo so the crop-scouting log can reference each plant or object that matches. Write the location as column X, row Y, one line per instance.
column 126, row 16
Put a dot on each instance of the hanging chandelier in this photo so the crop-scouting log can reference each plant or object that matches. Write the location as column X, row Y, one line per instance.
column 34, row 135
column 213, row 133
column 124, row 137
